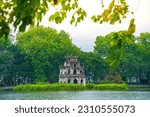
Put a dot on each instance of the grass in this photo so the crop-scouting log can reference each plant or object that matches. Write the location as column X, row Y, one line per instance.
column 110, row 87
column 69, row 87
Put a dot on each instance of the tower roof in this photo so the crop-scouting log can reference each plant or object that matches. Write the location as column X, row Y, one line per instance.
column 71, row 57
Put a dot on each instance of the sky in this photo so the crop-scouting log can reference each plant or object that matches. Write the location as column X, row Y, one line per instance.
column 85, row 33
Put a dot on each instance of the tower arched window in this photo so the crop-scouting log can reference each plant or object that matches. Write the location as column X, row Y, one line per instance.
column 75, row 81
column 81, row 81
column 68, row 71
column 74, row 72
column 68, row 80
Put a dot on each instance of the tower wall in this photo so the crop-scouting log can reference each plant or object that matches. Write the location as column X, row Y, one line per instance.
column 72, row 71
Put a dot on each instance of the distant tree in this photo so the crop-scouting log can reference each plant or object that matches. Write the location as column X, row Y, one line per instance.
column 22, row 68
column 95, row 66
column 6, row 61
column 144, row 47
column 113, row 77
column 136, row 60
column 134, row 55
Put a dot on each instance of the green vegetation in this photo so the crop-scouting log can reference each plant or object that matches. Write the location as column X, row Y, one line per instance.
column 110, row 87
column 34, row 10
column 139, row 87
column 47, row 50
column 134, row 58
column 69, row 87
column 38, row 54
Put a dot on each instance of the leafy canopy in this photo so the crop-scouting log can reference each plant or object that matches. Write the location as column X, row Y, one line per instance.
column 23, row 13
column 112, row 46
column 47, row 49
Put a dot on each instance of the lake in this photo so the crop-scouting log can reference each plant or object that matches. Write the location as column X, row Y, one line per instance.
column 78, row 95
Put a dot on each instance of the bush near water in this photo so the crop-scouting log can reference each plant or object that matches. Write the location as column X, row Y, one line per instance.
column 69, row 87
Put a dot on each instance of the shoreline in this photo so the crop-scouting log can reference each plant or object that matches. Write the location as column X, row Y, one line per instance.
column 139, row 87
column 6, row 88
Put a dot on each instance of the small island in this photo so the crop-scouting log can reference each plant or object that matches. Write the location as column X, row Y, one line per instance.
column 71, row 78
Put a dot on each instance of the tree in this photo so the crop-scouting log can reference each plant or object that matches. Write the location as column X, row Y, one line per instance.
column 22, row 67
column 46, row 48
column 95, row 67
column 12, row 13
column 112, row 46
column 144, row 52
column 15, row 67
column 33, row 11
column 6, row 60
column 113, row 77
column 134, row 59
column 134, row 66
column 130, row 63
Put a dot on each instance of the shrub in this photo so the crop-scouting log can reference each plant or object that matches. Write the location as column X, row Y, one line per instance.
column 110, row 87
column 90, row 86
column 69, row 87
column 113, row 77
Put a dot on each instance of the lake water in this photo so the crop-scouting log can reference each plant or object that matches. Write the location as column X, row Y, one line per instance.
column 78, row 95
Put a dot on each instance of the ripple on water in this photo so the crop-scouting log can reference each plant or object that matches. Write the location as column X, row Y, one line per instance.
column 78, row 95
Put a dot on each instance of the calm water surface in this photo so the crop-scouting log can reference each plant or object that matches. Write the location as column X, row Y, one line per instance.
column 79, row 95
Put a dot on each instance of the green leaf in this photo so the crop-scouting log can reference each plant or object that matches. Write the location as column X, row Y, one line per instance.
column 131, row 28
column 72, row 20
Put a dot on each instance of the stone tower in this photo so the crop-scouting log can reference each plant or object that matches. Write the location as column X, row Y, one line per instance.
column 72, row 72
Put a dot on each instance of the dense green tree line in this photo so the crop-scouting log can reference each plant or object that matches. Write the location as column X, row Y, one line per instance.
column 37, row 55
column 134, row 64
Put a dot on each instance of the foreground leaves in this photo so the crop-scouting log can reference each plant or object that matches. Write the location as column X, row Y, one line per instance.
column 116, row 11
column 29, row 13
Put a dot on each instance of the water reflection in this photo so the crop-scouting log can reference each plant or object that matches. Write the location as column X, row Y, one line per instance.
column 80, row 95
